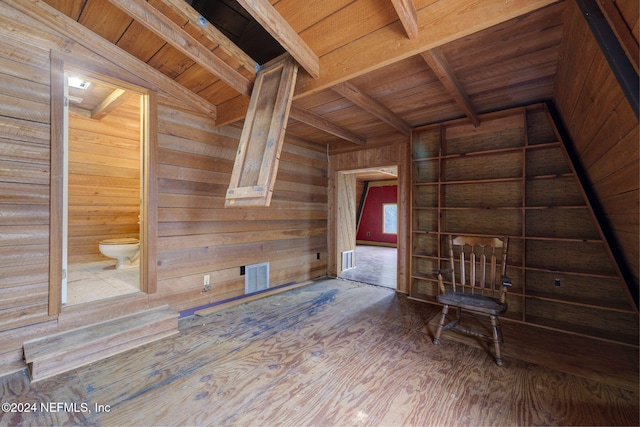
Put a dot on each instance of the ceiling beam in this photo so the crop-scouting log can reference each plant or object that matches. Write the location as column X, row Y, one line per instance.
column 210, row 31
column 321, row 123
column 408, row 16
column 383, row 47
column 110, row 103
column 441, row 68
column 275, row 24
column 370, row 105
column 171, row 32
column 440, row 22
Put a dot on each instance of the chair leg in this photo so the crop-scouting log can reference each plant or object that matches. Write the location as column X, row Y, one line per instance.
column 445, row 310
column 497, row 339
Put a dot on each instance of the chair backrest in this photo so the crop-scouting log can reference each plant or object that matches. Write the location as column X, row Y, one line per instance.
column 477, row 263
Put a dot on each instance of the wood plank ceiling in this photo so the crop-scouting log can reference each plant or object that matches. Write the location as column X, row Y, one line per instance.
column 370, row 69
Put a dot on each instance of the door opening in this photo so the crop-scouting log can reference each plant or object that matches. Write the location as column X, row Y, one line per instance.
column 365, row 225
column 102, row 188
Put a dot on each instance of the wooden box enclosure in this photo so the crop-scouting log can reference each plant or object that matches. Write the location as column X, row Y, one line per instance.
column 511, row 176
column 256, row 164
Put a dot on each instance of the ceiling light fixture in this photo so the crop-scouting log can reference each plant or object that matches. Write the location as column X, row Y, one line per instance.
column 78, row 83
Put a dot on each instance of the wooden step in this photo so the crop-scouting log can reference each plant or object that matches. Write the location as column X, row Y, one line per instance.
column 61, row 352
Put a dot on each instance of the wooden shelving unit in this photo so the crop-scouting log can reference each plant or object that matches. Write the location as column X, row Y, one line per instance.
column 511, row 176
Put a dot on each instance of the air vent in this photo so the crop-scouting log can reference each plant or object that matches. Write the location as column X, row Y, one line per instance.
column 347, row 260
column 256, row 278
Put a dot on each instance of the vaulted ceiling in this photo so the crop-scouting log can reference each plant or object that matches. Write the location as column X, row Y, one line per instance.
column 370, row 70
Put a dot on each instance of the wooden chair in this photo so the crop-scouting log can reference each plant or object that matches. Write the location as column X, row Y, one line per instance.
column 478, row 284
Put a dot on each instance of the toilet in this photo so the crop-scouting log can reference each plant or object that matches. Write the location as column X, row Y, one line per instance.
column 125, row 250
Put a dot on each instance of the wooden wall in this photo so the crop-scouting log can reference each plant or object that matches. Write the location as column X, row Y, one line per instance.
column 104, row 179
column 603, row 129
column 24, row 189
column 196, row 234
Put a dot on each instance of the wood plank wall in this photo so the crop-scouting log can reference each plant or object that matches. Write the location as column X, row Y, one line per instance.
column 196, row 234
column 24, row 190
column 604, row 131
column 104, row 179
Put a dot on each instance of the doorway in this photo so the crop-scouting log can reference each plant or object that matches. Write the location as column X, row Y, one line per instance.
column 105, row 116
column 102, row 188
column 370, row 250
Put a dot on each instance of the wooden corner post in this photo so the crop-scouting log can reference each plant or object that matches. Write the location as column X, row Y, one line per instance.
column 256, row 164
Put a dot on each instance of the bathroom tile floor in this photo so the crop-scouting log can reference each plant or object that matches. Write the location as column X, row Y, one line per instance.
column 97, row 280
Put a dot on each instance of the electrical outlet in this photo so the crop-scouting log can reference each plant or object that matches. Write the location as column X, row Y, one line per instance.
column 207, row 283
column 242, row 270
column 556, row 283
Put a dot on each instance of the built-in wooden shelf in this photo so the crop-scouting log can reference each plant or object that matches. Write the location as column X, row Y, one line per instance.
column 511, row 176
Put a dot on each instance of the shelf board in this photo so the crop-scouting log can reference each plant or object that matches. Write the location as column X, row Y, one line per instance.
column 480, row 208
column 591, row 304
column 473, row 154
column 572, row 273
column 556, row 207
column 472, row 181
column 562, row 239
column 549, row 176
column 545, row 145
column 492, row 180
column 424, row 277
column 425, row 256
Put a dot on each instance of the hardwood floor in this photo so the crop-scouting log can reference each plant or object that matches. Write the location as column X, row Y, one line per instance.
column 335, row 352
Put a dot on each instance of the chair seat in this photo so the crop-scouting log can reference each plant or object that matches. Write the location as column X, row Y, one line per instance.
column 473, row 302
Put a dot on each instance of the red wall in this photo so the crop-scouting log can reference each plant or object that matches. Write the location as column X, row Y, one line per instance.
column 371, row 218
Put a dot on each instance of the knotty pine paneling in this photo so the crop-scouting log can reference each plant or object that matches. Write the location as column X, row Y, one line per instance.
column 603, row 129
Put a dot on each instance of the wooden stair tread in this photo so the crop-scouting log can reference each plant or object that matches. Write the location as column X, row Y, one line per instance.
column 70, row 349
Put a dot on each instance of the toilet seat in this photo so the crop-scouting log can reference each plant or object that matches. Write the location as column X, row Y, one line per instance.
column 120, row 241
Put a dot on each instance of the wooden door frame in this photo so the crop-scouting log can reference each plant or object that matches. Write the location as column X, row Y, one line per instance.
column 403, row 163
column 149, row 202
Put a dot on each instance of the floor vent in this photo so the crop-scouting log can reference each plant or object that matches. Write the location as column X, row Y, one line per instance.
column 256, row 278
column 347, row 260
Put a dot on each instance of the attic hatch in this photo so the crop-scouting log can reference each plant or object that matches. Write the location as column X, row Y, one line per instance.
column 239, row 27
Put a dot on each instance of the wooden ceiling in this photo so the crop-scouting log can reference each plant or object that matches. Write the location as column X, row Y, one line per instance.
column 370, row 69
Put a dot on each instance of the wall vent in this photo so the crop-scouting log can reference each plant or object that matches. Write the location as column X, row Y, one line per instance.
column 256, row 278
column 347, row 260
